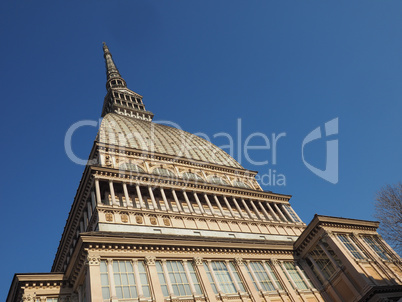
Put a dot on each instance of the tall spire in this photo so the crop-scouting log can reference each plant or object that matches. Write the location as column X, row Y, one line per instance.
column 114, row 78
column 119, row 99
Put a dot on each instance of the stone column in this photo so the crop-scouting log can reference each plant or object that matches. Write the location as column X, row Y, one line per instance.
column 167, row 204
column 190, row 280
column 238, row 207
column 126, row 196
column 189, row 205
column 247, row 208
column 219, row 205
column 255, row 296
column 209, row 204
column 98, row 193
column 137, row 278
column 155, row 286
column 279, row 211
column 218, row 287
column 177, row 201
column 94, row 289
column 112, row 285
column 151, row 194
column 264, row 210
column 168, row 282
column 286, row 280
column 282, row 207
column 111, row 188
column 199, row 203
column 229, row 207
column 231, row 274
column 139, row 195
column 272, row 212
column 204, row 281
column 257, row 213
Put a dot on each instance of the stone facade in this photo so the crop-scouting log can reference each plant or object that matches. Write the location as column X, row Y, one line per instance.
column 163, row 215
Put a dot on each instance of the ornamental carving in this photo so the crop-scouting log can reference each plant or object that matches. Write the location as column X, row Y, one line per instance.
column 139, row 219
column 239, row 260
column 109, row 216
column 153, row 220
column 27, row 298
column 150, row 260
column 93, row 260
column 198, row 261
column 274, row 261
column 108, row 160
column 124, row 218
column 166, row 221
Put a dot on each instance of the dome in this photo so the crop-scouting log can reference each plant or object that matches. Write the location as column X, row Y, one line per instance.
column 138, row 134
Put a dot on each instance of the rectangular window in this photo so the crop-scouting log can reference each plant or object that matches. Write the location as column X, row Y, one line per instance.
column 124, row 279
column 323, row 262
column 261, row 275
column 211, row 280
column 143, row 279
column 291, row 212
column 176, row 275
column 125, row 283
column 351, row 248
column 223, row 272
column 104, row 280
column 162, row 279
column 294, row 275
column 376, row 247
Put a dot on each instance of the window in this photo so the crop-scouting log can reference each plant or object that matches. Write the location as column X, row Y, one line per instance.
column 349, row 245
column 104, row 280
column 222, row 272
column 52, row 299
column 192, row 176
column 131, row 167
column 218, row 181
column 376, row 247
column 264, row 277
column 292, row 272
column 174, row 272
column 126, row 286
column 124, row 280
column 291, row 212
column 323, row 262
column 163, row 172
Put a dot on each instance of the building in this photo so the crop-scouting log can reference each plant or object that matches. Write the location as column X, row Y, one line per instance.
column 163, row 215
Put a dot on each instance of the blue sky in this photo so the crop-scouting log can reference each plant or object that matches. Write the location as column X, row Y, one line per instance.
column 279, row 66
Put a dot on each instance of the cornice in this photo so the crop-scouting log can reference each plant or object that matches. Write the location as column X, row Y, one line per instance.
column 325, row 222
column 181, row 184
column 174, row 159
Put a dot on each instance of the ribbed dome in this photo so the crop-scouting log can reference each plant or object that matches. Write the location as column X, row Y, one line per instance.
column 133, row 133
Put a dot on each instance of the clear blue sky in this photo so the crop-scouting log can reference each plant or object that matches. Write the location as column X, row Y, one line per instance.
column 279, row 66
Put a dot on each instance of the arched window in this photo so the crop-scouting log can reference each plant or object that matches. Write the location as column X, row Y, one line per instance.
column 240, row 184
column 218, row 181
column 163, row 172
column 131, row 167
column 192, row 176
